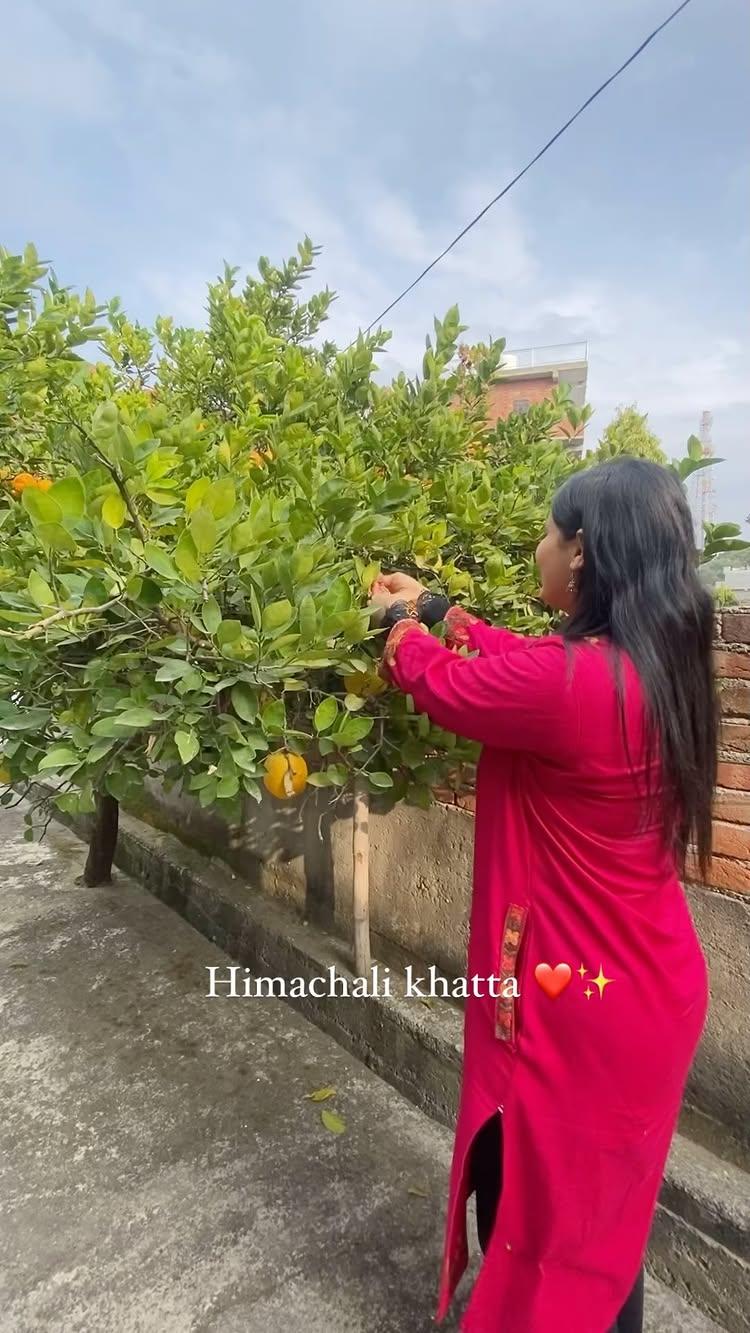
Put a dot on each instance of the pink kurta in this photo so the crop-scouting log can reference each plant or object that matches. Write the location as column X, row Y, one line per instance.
column 589, row 1083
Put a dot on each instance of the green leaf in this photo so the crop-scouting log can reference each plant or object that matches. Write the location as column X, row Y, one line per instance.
column 252, row 788
column 136, row 717
column 207, row 794
column 114, row 511
column 277, row 615
column 70, row 496
column 380, row 779
column 228, row 632
column 325, row 714
column 54, row 536
column 59, row 757
column 320, row 1095
column 186, row 558
column 694, row 447
column 211, row 615
column 273, row 717
column 203, row 530
column 158, row 559
column 173, row 670
column 353, row 703
column 98, row 750
column 195, row 494
column 308, row 618
column 28, row 719
column 228, row 787
column 333, row 1122
column 188, row 745
column 244, row 702
column 40, row 506
column 353, row 730
column 220, row 498
column 192, row 680
column 40, row 591
column 106, row 726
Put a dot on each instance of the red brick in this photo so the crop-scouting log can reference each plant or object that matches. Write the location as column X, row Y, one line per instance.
column 736, row 627
column 723, row 873
column 736, row 736
column 467, row 801
column 733, row 806
column 734, row 696
column 731, row 839
column 736, row 776
column 732, row 665
column 444, row 795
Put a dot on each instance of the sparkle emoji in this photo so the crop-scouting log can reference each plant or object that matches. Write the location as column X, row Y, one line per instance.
column 601, row 981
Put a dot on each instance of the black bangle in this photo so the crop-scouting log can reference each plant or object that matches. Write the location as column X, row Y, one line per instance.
column 432, row 607
column 397, row 611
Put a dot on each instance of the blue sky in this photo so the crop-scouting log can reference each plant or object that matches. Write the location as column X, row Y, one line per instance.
column 145, row 143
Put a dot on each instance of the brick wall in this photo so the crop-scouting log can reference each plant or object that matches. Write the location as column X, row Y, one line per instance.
column 502, row 395
column 730, row 869
column 730, row 866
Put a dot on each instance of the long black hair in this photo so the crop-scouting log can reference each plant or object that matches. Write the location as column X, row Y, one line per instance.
column 639, row 586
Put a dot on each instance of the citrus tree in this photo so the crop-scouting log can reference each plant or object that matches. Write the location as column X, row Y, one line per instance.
column 191, row 521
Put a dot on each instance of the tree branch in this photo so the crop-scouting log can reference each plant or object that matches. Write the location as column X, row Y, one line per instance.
column 41, row 625
column 119, row 480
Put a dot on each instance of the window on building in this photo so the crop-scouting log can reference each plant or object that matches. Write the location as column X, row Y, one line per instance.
column 521, row 404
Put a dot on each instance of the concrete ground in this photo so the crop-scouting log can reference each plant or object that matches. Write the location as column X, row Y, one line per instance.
column 162, row 1169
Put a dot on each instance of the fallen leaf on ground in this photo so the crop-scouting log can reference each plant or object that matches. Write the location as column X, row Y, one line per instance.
column 419, row 1191
column 333, row 1122
column 320, row 1094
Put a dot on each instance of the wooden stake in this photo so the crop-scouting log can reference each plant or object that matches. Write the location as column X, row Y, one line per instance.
column 361, row 878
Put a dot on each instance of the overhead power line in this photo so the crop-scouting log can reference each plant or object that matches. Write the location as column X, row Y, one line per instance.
column 433, row 263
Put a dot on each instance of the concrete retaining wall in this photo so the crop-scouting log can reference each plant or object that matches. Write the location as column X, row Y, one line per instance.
column 420, row 879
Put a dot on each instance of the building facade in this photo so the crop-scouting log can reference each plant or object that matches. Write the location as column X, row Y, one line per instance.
column 531, row 374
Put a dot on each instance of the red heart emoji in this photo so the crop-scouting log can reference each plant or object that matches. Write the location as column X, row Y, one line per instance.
column 553, row 980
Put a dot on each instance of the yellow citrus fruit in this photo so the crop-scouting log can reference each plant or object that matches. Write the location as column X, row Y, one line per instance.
column 257, row 458
column 364, row 683
column 286, row 774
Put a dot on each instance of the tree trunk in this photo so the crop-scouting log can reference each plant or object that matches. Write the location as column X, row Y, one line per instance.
column 361, row 879
column 98, row 868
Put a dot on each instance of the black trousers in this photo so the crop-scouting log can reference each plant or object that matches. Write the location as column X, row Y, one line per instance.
column 486, row 1181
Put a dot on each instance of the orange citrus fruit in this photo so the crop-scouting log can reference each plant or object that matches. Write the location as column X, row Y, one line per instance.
column 23, row 480
column 286, row 774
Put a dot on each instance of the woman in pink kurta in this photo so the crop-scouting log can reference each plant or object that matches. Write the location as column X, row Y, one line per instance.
column 596, row 771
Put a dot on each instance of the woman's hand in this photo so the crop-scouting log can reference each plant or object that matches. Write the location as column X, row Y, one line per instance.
column 390, row 588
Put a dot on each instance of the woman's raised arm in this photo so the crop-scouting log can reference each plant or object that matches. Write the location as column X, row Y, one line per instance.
column 520, row 699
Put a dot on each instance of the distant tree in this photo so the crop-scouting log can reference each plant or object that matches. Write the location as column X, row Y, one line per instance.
column 628, row 433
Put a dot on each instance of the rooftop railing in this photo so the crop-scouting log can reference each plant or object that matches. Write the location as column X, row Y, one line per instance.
column 532, row 358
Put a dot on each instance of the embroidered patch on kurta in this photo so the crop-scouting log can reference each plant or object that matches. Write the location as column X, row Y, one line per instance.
column 458, row 623
column 505, row 1007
